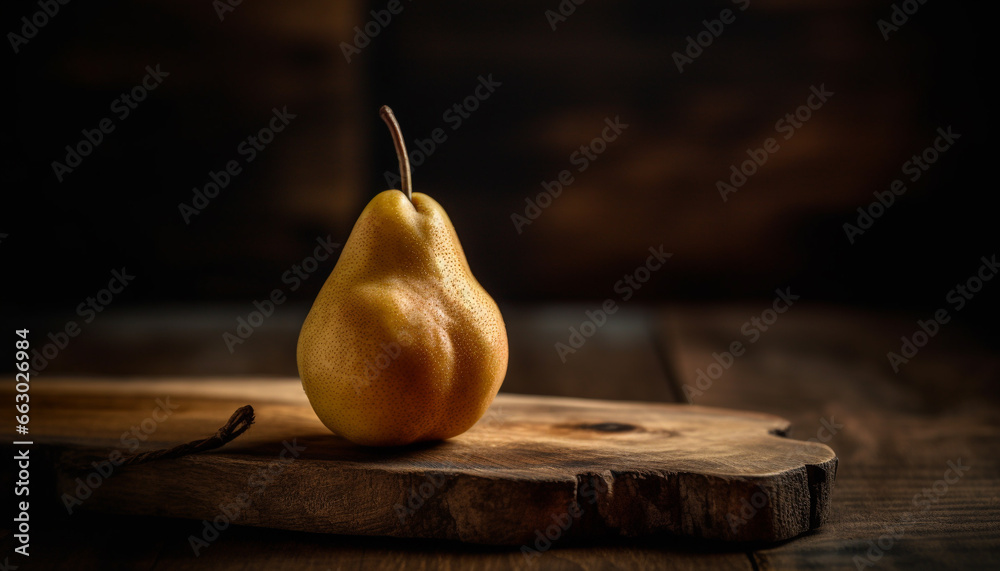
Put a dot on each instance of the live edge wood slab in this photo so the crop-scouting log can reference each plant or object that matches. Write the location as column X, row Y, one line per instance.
column 533, row 466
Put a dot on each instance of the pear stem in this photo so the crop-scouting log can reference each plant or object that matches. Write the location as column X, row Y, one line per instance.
column 397, row 139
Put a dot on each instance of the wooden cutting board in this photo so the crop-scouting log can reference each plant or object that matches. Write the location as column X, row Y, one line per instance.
column 532, row 467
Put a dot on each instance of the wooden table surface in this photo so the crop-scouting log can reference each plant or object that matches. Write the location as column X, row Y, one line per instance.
column 917, row 485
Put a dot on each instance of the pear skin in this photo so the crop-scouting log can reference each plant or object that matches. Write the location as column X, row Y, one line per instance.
column 402, row 343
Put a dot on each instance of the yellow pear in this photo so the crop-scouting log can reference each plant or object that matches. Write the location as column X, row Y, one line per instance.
column 402, row 343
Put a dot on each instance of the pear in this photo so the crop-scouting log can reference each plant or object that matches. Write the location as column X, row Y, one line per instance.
column 402, row 343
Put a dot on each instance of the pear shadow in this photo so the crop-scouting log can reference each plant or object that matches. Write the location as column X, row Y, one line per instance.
column 326, row 446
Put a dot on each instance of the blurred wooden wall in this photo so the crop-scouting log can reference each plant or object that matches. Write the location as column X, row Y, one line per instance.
column 655, row 185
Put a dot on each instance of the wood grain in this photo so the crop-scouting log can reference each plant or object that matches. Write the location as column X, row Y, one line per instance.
column 569, row 468
column 895, row 433
column 899, row 431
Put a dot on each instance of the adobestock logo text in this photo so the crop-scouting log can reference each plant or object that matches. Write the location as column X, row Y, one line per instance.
column 293, row 278
column 122, row 107
column 626, row 288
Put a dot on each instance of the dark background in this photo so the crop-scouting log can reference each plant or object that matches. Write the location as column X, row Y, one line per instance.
column 655, row 185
